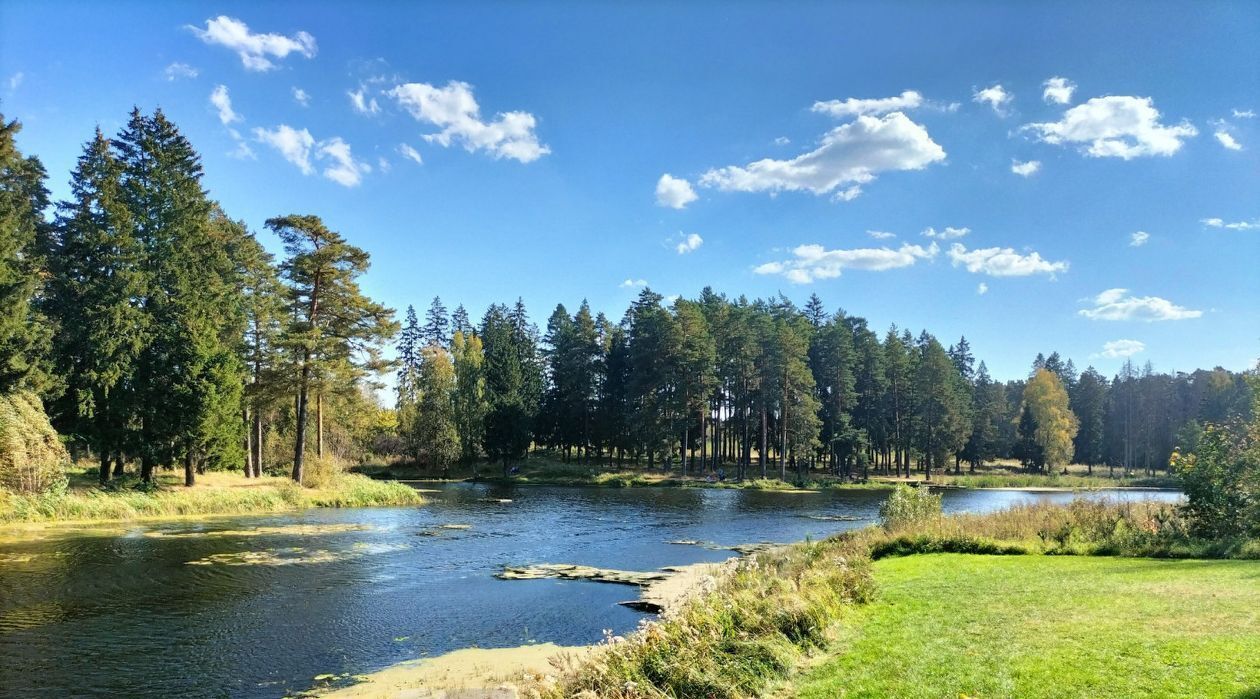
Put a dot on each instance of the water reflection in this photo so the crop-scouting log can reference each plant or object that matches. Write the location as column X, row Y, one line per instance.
column 119, row 612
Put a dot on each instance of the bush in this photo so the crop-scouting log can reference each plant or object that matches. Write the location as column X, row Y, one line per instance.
column 908, row 506
column 32, row 458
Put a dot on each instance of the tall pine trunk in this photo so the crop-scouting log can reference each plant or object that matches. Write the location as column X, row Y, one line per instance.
column 299, row 447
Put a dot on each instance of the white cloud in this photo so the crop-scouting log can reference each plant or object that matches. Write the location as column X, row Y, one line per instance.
column 362, row 103
column 301, row 97
column 1234, row 226
column 175, row 71
column 674, row 192
column 344, row 169
column 857, row 107
column 1227, row 140
column 812, row 262
column 223, row 103
column 948, row 233
column 982, row 289
column 454, row 109
column 1122, row 348
column 1003, row 262
column 1244, row 114
column 254, row 50
column 782, row 141
column 294, row 144
column 298, row 147
column 853, row 153
column 1115, row 127
column 689, row 243
column 383, row 164
column 410, row 153
column 15, row 80
column 242, row 151
column 1026, row 169
column 1138, row 239
column 881, row 235
column 1058, row 91
column 995, row 96
column 1117, row 304
column 631, row 283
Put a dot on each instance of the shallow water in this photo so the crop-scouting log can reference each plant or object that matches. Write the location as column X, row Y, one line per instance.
column 258, row 606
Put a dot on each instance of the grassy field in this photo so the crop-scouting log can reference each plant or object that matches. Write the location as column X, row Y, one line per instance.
column 951, row 625
column 545, row 470
column 216, row 493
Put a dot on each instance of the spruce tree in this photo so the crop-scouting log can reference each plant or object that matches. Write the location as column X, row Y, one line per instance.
column 508, row 421
column 437, row 325
column 460, row 322
column 24, row 333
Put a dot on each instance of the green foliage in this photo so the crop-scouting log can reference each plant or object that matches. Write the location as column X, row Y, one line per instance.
column 1221, row 479
column 907, row 506
column 24, row 332
column 469, row 400
column 431, row 434
column 32, row 459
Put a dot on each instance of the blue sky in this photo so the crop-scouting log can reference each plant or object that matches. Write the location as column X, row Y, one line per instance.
column 790, row 132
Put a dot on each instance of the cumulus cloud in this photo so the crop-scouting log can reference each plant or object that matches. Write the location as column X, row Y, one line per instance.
column 881, row 235
column 1226, row 139
column 982, row 288
column 812, row 262
column 852, row 154
column 1026, row 169
column 1233, row 226
column 674, row 192
column 362, row 103
column 857, row 107
column 176, row 71
column 410, row 153
column 223, row 103
column 455, row 111
column 631, row 283
column 995, row 96
column 689, row 243
column 1118, row 304
column 1058, row 91
column 1115, row 127
column 1003, row 262
column 1138, row 239
column 343, row 168
column 947, row 233
column 300, row 148
column 256, row 51
column 1121, row 348
column 301, row 97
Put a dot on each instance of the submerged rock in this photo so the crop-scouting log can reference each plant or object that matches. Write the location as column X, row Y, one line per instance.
column 741, row 549
column 565, row 571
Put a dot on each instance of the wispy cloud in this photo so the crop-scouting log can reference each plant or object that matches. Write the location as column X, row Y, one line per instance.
column 178, row 71
column 1233, row 226
column 689, row 243
column 1121, row 348
column 300, row 148
column 856, row 107
column 410, row 153
column 946, row 233
column 813, row 262
column 301, row 97
column 223, row 104
column 631, row 283
column 1138, row 239
column 256, row 51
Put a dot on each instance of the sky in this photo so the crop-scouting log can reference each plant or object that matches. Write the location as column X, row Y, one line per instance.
column 1071, row 177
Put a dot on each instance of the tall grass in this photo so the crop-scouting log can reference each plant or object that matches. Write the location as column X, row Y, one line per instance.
column 268, row 495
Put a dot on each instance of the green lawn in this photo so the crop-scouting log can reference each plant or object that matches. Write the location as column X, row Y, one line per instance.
column 949, row 625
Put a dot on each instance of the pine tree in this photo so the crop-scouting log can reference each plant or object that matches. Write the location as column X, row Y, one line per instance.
column 24, row 333
column 650, row 335
column 437, row 325
column 333, row 324
column 263, row 351
column 942, row 412
column 694, row 373
column 96, row 281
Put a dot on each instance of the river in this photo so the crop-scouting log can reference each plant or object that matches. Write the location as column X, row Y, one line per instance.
column 256, row 606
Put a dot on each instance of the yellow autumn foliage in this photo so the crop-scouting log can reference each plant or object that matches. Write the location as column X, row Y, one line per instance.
column 1046, row 397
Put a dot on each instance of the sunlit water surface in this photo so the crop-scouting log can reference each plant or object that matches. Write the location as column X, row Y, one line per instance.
column 184, row 609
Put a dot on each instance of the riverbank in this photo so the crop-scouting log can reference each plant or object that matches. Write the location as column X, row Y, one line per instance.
column 216, row 493
column 782, row 614
column 542, row 471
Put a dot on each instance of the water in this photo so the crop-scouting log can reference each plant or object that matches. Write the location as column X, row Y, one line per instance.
column 119, row 610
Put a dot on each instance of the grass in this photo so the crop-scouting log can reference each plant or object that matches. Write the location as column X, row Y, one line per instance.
column 216, row 493
column 952, row 625
column 778, row 611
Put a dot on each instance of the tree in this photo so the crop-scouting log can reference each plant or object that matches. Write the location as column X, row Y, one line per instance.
column 460, row 323
column 652, row 348
column 942, row 415
column 1088, row 401
column 469, row 401
column 693, row 369
column 437, row 325
column 333, row 322
column 410, row 342
column 433, row 436
column 1027, row 450
column 24, row 333
column 95, row 286
column 508, row 414
column 988, row 405
column 263, row 351
column 794, row 383
column 1047, row 402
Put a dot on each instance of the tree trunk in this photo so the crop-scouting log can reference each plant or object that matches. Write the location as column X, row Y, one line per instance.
column 190, row 474
column 300, row 428
column 762, row 446
column 319, row 424
column 258, row 444
column 104, row 474
column 120, row 465
column 249, row 444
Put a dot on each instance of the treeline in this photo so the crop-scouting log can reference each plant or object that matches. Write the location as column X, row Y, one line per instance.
column 156, row 329
column 764, row 386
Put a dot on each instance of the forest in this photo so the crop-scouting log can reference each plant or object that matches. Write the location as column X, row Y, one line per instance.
column 143, row 328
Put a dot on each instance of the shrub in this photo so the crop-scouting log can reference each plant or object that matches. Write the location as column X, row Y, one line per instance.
column 32, row 458
column 908, row 506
